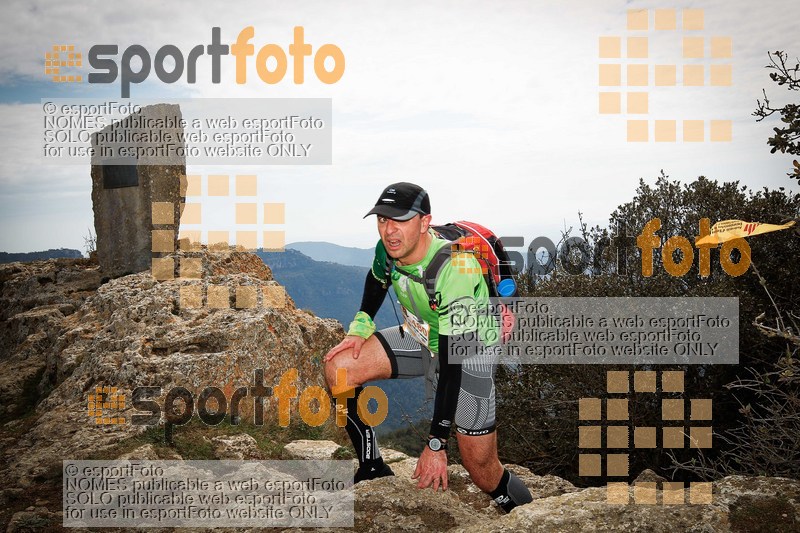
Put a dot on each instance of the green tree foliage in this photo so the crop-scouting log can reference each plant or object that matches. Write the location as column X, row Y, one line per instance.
column 545, row 437
column 786, row 138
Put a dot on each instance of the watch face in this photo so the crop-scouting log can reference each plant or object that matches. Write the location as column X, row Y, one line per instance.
column 435, row 444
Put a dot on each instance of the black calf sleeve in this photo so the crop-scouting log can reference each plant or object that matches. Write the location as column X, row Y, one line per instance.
column 362, row 435
column 510, row 492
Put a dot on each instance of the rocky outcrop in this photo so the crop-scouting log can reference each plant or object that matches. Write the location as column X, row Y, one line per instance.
column 738, row 504
column 38, row 301
column 132, row 331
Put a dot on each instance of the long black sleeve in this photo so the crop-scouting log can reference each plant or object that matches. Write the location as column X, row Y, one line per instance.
column 374, row 294
column 446, row 401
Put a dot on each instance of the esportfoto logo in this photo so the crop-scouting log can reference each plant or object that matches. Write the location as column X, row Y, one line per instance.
column 171, row 64
column 62, row 55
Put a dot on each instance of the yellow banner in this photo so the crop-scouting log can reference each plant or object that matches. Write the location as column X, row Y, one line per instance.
column 726, row 230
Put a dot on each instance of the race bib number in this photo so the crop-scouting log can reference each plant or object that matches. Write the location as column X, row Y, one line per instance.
column 416, row 327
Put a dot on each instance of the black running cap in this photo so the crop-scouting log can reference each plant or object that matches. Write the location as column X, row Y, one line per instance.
column 402, row 201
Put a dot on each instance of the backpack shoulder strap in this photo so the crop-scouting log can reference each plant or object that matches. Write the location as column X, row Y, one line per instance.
column 431, row 274
column 382, row 265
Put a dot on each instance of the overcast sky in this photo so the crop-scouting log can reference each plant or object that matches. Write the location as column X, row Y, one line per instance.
column 491, row 106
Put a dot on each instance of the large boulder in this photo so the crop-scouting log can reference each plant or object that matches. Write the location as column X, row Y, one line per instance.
column 134, row 331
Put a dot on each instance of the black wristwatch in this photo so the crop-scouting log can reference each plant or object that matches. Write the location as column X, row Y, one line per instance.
column 436, row 444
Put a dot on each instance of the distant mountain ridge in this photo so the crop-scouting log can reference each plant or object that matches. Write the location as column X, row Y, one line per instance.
column 52, row 253
column 334, row 253
column 328, row 289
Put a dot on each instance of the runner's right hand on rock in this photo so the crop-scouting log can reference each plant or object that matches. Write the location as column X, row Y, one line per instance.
column 350, row 341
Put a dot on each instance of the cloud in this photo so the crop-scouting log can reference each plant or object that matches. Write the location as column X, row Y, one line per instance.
column 492, row 106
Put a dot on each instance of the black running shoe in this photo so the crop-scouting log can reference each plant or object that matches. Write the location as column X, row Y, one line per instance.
column 373, row 471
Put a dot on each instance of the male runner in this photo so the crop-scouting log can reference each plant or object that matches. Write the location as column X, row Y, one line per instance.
column 464, row 391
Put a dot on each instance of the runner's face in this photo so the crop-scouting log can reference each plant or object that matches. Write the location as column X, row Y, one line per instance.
column 403, row 240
